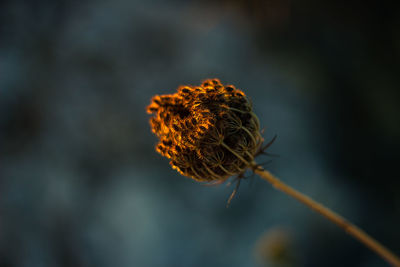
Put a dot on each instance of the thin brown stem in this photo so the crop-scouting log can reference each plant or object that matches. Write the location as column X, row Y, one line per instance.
column 347, row 226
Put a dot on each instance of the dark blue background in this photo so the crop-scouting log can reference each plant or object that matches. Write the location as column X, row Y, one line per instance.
column 81, row 184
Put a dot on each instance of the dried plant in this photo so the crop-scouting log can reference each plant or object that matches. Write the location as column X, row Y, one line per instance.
column 210, row 133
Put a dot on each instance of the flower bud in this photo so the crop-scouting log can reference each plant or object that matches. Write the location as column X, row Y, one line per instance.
column 208, row 132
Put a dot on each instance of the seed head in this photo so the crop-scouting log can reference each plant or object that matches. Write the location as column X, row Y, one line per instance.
column 209, row 132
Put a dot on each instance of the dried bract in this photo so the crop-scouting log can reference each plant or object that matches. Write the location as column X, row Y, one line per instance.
column 209, row 132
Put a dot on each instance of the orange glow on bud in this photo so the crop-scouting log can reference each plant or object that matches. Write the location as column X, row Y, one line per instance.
column 208, row 132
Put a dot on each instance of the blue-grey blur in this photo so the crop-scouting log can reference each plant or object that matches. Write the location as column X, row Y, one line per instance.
column 81, row 184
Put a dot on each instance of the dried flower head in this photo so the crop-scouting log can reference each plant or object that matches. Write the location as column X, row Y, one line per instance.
column 209, row 132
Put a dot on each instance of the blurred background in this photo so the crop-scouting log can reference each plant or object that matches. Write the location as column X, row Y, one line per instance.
column 81, row 184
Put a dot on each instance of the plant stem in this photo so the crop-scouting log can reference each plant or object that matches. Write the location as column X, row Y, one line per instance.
column 348, row 227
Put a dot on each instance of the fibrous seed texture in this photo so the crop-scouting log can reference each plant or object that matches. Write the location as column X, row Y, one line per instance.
column 209, row 132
